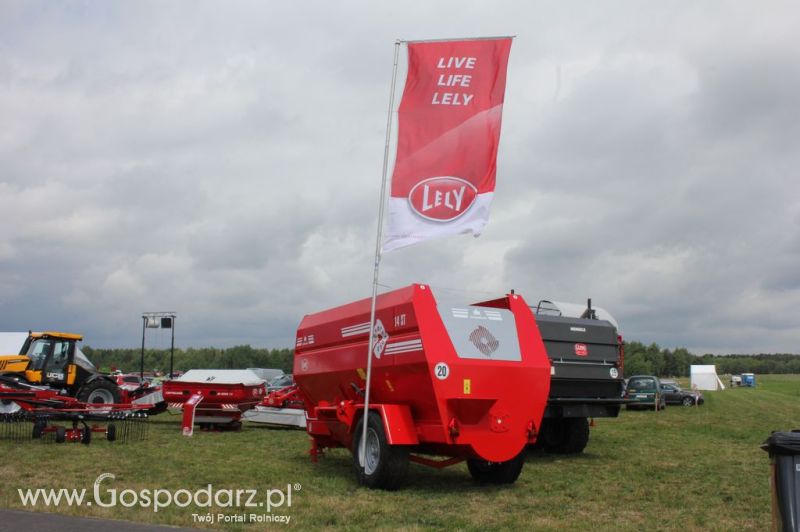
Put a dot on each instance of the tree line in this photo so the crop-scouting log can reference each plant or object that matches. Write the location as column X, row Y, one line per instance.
column 238, row 357
column 640, row 359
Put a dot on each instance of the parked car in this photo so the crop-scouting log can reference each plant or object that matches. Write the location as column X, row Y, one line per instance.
column 675, row 395
column 645, row 392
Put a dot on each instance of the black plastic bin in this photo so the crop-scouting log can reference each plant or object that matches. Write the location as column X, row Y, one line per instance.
column 784, row 452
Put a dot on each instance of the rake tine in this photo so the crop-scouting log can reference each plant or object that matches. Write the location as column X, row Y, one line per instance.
column 15, row 426
column 19, row 426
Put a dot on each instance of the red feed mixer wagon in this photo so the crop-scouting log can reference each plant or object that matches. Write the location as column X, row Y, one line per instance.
column 463, row 382
column 218, row 397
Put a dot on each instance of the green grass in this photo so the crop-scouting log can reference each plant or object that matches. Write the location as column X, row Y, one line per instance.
column 682, row 469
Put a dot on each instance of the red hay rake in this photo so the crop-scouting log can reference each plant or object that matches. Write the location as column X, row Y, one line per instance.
column 47, row 416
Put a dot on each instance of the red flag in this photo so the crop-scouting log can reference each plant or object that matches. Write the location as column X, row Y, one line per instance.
column 449, row 130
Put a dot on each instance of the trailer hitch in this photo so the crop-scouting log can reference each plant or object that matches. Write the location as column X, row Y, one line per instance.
column 532, row 432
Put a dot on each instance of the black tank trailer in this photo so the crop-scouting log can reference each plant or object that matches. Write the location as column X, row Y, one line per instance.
column 586, row 355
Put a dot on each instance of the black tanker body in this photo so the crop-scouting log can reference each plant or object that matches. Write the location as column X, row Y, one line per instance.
column 586, row 382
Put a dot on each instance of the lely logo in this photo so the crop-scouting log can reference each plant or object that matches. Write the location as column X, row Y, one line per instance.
column 442, row 199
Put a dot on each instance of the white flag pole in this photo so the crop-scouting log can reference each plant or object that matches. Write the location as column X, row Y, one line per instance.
column 376, row 271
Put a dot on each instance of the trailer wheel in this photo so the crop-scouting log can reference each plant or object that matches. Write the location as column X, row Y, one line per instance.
column 61, row 434
column 38, row 429
column 111, row 432
column 576, row 435
column 496, row 472
column 386, row 465
column 550, row 435
column 86, row 435
column 564, row 435
column 232, row 426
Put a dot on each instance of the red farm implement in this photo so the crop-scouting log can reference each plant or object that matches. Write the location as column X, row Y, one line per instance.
column 214, row 398
column 44, row 413
column 283, row 407
column 463, row 382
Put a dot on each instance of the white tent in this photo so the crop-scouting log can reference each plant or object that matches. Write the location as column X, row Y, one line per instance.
column 705, row 378
column 11, row 342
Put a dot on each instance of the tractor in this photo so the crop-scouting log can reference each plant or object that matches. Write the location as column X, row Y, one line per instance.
column 53, row 359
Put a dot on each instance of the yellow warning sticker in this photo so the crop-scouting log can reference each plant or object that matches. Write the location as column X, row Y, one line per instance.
column 467, row 386
column 361, row 373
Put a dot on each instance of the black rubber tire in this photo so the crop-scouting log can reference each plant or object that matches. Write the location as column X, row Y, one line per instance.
column 687, row 401
column 158, row 408
column 551, row 435
column 38, row 429
column 564, row 435
column 390, row 461
column 89, row 392
column 111, row 432
column 496, row 472
column 61, row 434
column 576, row 435
column 86, row 435
column 545, row 436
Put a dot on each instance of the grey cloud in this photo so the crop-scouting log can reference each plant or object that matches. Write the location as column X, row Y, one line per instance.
column 225, row 164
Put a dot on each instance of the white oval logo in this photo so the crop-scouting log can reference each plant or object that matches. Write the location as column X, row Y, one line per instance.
column 614, row 373
column 442, row 199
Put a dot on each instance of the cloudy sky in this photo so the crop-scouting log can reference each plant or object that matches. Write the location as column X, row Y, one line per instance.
column 223, row 160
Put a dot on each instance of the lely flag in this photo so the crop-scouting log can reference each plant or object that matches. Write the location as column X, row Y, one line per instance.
column 448, row 134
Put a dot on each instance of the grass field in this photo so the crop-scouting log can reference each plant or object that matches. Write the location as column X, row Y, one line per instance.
column 696, row 468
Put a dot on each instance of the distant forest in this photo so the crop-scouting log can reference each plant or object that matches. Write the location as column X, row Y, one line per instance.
column 238, row 357
column 640, row 359
column 651, row 359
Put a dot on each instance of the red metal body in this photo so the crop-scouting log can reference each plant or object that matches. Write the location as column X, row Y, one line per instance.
column 75, row 433
column 431, row 394
column 45, row 399
column 212, row 401
column 130, row 382
column 288, row 397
